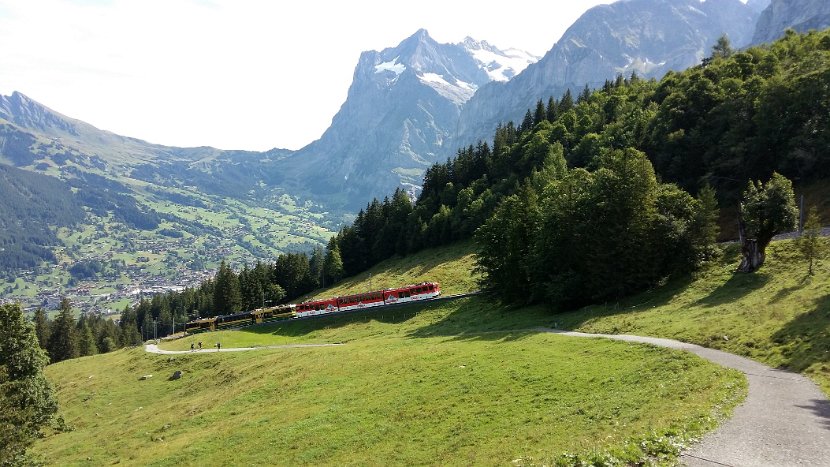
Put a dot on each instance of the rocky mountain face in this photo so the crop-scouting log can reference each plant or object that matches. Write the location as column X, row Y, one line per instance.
column 650, row 37
column 398, row 119
column 800, row 15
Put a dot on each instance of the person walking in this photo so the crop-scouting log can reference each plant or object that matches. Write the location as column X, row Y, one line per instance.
column 191, row 346
column 218, row 346
column 200, row 345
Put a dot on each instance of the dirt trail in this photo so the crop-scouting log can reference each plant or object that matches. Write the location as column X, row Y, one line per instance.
column 153, row 348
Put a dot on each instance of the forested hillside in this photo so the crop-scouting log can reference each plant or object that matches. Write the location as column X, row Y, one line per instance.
column 738, row 116
column 29, row 204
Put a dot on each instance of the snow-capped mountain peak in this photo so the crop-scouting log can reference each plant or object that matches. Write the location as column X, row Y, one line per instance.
column 500, row 65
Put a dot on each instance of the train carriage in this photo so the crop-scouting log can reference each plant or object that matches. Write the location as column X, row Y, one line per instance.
column 200, row 325
column 360, row 301
column 235, row 320
column 264, row 315
column 316, row 307
column 411, row 293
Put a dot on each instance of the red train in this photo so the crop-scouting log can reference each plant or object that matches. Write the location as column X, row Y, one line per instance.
column 407, row 293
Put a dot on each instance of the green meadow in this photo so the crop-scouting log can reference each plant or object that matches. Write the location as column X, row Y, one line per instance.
column 457, row 382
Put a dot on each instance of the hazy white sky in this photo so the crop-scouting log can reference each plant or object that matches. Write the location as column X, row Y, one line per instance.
column 233, row 74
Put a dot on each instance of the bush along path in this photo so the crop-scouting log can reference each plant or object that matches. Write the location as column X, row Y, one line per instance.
column 784, row 421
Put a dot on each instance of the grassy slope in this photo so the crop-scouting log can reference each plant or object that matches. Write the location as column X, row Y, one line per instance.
column 407, row 388
column 512, row 398
column 779, row 315
column 452, row 266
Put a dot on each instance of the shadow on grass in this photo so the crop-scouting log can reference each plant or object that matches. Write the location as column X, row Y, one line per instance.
column 480, row 318
column 785, row 292
column 656, row 297
column 806, row 339
column 738, row 286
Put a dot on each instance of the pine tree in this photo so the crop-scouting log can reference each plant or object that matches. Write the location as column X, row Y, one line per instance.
column 25, row 394
column 41, row 321
column 540, row 113
column 566, row 104
column 316, row 266
column 227, row 298
column 706, row 223
column 129, row 330
column 86, row 339
column 550, row 112
column 809, row 243
column 527, row 122
column 333, row 265
column 63, row 342
column 584, row 95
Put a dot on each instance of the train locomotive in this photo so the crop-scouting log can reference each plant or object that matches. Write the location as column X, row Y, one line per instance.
column 345, row 303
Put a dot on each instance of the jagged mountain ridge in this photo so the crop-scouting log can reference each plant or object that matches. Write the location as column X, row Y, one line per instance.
column 398, row 119
column 799, row 15
column 650, row 37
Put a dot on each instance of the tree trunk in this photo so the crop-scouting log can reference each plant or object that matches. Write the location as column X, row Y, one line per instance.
column 752, row 253
column 752, row 256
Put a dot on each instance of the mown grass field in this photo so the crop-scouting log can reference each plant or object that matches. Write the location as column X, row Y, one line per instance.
column 443, row 383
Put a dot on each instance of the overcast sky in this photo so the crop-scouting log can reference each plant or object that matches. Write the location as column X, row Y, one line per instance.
column 233, row 74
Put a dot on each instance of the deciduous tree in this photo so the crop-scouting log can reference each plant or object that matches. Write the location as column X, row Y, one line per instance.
column 766, row 211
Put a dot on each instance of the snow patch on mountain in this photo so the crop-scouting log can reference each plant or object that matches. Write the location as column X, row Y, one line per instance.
column 500, row 65
column 457, row 92
column 392, row 66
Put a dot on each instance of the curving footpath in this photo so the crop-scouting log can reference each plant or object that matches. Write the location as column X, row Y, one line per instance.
column 784, row 421
column 153, row 348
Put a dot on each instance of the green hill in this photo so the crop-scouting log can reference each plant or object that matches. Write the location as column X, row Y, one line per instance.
column 465, row 381
column 779, row 316
column 405, row 388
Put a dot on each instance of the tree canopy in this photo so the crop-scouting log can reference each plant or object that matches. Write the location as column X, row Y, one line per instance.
column 26, row 400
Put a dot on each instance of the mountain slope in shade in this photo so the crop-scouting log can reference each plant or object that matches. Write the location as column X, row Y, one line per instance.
column 800, row 15
column 649, row 37
column 399, row 118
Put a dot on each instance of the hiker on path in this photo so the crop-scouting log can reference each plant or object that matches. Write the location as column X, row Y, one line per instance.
column 218, row 346
column 200, row 345
column 191, row 346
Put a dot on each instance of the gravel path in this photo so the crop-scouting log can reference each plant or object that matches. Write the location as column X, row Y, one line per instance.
column 785, row 420
column 153, row 348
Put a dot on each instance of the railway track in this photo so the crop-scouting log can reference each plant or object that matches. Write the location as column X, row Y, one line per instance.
column 442, row 298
